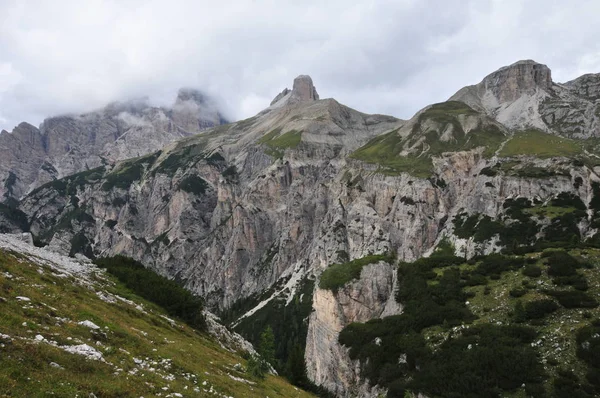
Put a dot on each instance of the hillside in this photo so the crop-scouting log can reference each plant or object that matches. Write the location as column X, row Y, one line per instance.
column 69, row 328
column 310, row 216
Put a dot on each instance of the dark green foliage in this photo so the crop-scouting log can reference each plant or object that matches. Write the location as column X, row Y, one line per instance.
column 81, row 244
column 14, row 216
column 573, row 298
column 483, row 228
column 588, row 350
column 289, row 324
column 561, row 263
column 193, row 184
column 489, row 171
column 230, row 174
column 68, row 185
column 567, row 385
column 166, row 293
column 182, row 157
column 500, row 360
column 538, row 309
column 564, row 228
column 595, row 202
column 495, row 264
column 407, row 201
column 257, row 366
column 532, row 271
column 110, row 223
column 337, row 275
column 568, row 199
column 128, row 172
column 517, row 292
column 266, row 348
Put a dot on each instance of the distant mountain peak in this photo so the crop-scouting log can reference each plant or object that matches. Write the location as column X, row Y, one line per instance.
column 190, row 94
column 510, row 82
column 303, row 90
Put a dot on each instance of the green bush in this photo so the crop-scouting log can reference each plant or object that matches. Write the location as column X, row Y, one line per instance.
column 532, row 271
column 573, row 298
column 538, row 309
column 337, row 275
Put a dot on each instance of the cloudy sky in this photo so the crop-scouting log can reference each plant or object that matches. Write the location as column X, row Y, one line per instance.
column 391, row 57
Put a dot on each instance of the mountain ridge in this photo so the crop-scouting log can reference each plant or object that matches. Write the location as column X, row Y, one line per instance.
column 251, row 214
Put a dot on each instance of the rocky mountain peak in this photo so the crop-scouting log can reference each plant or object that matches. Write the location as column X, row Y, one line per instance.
column 303, row 90
column 510, row 82
column 186, row 94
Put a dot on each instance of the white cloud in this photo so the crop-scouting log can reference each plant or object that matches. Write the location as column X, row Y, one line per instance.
column 388, row 56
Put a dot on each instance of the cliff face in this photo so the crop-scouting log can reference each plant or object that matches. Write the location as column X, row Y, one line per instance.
column 261, row 204
column 370, row 297
column 64, row 145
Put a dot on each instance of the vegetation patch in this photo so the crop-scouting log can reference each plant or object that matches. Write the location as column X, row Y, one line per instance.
column 176, row 300
column 185, row 157
column 462, row 315
column 279, row 143
column 337, row 275
column 412, row 154
column 134, row 335
column 129, row 172
column 193, row 184
column 540, row 144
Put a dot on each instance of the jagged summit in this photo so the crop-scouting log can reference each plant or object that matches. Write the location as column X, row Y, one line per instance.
column 303, row 90
column 190, row 94
column 510, row 82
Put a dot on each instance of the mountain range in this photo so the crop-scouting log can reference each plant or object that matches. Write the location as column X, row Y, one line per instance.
column 318, row 220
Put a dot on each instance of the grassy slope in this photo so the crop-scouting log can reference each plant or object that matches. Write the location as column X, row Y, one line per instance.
column 540, row 144
column 186, row 362
column 385, row 150
column 277, row 144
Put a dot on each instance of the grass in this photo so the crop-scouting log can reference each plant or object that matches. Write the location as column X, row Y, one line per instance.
column 540, row 144
column 277, row 144
column 182, row 360
column 129, row 171
column 412, row 154
column 337, row 275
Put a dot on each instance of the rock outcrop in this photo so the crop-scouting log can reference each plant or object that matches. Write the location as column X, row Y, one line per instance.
column 523, row 95
column 303, row 90
column 370, row 297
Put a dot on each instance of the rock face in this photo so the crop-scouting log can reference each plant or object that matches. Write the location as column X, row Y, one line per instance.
column 303, row 90
column 370, row 297
column 266, row 202
column 30, row 157
column 523, row 95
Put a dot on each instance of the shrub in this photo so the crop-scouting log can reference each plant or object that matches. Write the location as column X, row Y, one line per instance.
column 540, row 308
column 337, row 275
column 560, row 263
column 573, row 299
column 518, row 292
column 532, row 271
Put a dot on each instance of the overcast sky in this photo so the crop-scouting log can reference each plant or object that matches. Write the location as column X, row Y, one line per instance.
column 391, row 57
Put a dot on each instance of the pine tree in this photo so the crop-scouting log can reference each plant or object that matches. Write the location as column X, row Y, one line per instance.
column 266, row 348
